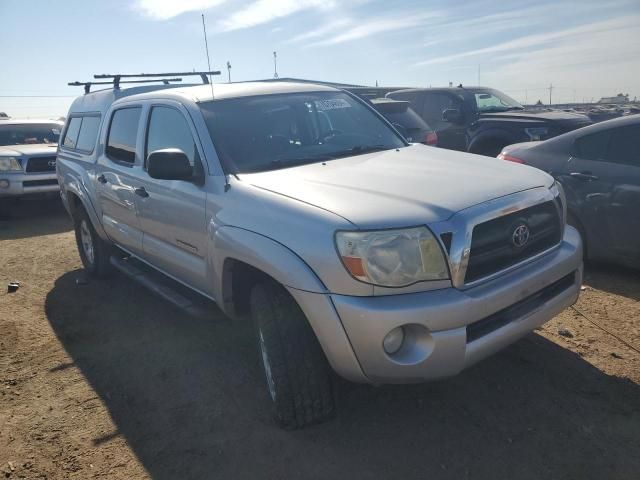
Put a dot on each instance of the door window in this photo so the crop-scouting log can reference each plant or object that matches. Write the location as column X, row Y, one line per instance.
column 594, row 146
column 434, row 105
column 123, row 132
column 169, row 129
column 624, row 146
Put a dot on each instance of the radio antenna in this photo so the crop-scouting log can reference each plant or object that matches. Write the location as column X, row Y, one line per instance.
column 206, row 46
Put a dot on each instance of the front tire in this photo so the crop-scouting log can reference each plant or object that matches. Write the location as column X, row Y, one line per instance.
column 94, row 252
column 298, row 375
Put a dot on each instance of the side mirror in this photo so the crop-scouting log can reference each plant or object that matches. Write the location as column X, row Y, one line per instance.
column 403, row 131
column 169, row 164
column 452, row 115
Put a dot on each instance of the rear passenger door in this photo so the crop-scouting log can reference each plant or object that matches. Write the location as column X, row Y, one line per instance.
column 119, row 164
column 603, row 177
column 173, row 212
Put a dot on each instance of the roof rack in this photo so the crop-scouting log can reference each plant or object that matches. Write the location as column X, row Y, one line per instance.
column 151, row 77
column 87, row 85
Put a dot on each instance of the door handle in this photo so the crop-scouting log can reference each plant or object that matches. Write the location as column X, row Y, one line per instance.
column 102, row 179
column 141, row 192
column 584, row 176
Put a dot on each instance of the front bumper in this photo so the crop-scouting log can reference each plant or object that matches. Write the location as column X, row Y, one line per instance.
column 20, row 184
column 450, row 329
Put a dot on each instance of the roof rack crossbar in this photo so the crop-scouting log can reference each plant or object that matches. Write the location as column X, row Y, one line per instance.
column 87, row 85
column 117, row 77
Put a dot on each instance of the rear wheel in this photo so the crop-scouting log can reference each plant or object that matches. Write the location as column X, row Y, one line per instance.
column 297, row 373
column 94, row 252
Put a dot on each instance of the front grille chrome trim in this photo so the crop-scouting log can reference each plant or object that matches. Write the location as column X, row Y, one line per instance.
column 462, row 224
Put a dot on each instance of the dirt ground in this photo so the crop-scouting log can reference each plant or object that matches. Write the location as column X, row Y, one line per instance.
column 104, row 380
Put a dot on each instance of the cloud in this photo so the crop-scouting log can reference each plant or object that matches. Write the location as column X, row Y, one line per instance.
column 367, row 27
column 540, row 40
column 322, row 31
column 166, row 9
column 264, row 11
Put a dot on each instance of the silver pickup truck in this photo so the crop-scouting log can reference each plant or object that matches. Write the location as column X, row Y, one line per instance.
column 28, row 157
column 300, row 207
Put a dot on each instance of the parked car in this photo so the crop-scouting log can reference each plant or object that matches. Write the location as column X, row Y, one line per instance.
column 483, row 120
column 28, row 157
column 599, row 167
column 300, row 206
column 408, row 123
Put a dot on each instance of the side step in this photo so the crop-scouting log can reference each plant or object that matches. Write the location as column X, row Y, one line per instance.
column 166, row 288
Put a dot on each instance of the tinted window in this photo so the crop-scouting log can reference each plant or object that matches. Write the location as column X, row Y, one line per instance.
column 121, row 144
column 28, row 133
column 594, row 146
column 278, row 131
column 434, row 105
column 71, row 136
column 169, row 129
column 624, row 146
column 88, row 133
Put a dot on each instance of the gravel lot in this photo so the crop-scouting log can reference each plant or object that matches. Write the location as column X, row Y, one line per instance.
column 104, row 380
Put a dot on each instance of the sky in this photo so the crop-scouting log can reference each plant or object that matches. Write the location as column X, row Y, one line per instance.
column 585, row 49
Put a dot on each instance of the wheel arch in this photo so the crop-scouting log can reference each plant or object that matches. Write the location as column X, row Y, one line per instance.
column 241, row 257
column 76, row 197
column 490, row 137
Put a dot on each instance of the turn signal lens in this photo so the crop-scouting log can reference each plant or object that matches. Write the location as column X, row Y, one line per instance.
column 510, row 158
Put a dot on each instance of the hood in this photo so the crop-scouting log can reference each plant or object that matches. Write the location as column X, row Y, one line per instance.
column 396, row 188
column 538, row 115
column 29, row 150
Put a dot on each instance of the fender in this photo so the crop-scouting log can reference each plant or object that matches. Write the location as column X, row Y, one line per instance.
column 72, row 186
column 262, row 253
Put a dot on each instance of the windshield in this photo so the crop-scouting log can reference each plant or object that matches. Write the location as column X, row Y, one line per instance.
column 267, row 132
column 29, row 133
column 495, row 101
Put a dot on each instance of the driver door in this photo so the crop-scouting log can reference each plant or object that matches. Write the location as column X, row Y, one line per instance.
column 173, row 212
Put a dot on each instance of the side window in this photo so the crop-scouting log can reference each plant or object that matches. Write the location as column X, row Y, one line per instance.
column 123, row 132
column 71, row 135
column 624, row 146
column 434, row 105
column 594, row 146
column 88, row 133
column 169, row 129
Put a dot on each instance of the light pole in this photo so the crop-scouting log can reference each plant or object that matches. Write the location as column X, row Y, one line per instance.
column 229, row 71
column 275, row 65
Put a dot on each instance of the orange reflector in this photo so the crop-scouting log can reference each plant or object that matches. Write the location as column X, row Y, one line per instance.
column 354, row 265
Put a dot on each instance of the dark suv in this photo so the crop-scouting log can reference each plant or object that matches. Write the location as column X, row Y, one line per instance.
column 483, row 120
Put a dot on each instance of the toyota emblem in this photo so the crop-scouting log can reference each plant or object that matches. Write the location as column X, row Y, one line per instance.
column 520, row 235
column 51, row 163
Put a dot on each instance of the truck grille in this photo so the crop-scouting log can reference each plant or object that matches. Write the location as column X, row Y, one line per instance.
column 494, row 246
column 41, row 164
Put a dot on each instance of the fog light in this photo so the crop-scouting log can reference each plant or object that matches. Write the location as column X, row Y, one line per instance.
column 393, row 340
column 4, row 183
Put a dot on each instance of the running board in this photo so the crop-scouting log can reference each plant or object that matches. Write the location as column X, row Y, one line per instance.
column 164, row 287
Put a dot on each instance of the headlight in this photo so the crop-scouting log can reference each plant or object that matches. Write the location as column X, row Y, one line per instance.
column 392, row 258
column 536, row 133
column 9, row 164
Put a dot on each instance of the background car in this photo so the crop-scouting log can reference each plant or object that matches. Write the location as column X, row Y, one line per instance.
column 27, row 158
column 401, row 115
column 599, row 167
column 483, row 120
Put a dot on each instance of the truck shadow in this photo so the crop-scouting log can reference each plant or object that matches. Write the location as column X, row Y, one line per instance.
column 614, row 279
column 189, row 398
column 33, row 217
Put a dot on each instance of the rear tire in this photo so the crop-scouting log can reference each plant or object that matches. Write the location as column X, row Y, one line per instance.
column 298, row 375
column 94, row 252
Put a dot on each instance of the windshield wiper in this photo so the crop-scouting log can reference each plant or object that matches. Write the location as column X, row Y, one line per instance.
column 360, row 150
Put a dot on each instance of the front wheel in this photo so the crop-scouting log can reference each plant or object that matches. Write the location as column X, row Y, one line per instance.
column 94, row 252
column 297, row 373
